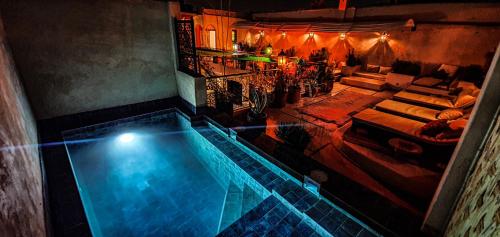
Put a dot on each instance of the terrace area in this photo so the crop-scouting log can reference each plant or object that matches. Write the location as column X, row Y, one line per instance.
column 249, row 118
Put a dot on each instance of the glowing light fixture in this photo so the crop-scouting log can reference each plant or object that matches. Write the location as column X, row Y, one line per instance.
column 126, row 137
column 311, row 34
column 282, row 58
column 269, row 49
column 383, row 37
column 283, row 34
column 235, row 47
column 342, row 36
column 261, row 33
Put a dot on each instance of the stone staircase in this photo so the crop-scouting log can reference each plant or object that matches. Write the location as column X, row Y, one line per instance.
column 270, row 218
column 237, row 203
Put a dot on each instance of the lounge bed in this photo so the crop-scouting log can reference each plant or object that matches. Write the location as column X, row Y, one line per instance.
column 404, row 127
column 425, row 100
column 428, row 91
column 372, row 84
column 427, row 81
column 370, row 75
column 408, row 110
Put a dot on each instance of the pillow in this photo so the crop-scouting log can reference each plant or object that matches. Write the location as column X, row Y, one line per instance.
column 450, row 134
column 372, row 68
column 450, row 114
column 458, row 124
column 464, row 100
column 440, row 74
column 449, row 69
column 385, row 70
column 433, row 128
column 455, row 91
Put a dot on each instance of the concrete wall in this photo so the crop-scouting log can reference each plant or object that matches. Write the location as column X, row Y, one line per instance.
column 21, row 203
column 80, row 55
column 192, row 89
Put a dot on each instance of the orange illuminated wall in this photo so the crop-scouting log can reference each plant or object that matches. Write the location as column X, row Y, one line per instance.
column 221, row 25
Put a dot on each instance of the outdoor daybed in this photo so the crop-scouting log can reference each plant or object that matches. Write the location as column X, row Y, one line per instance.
column 428, row 91
column 408, row 110
column 465, row 99
column 393, row 124
column 372, row 84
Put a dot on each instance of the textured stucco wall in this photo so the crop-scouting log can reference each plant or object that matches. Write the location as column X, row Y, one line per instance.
column 478, row 209
column 21, row 203
column 192, row 89
column 80, row 55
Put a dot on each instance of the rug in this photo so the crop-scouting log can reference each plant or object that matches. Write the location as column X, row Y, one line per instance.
column 340, row 108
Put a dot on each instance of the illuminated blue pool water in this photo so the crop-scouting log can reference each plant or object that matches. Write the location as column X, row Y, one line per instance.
column 155, row 176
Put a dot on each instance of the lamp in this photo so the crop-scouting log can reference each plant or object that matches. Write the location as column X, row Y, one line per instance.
column 311, row 34
column 383, row 37
column 342, row 36
column 269, row 49
column 261, row 33
column 235, row 47
column 282, row 58
column 283, row 34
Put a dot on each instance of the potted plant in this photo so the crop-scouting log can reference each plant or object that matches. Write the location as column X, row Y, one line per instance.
column 353, row 63
column 293, row 91
column 294, row 135
column 256, row 117
column 223, row 101
column 329, row 80
column 280, row 93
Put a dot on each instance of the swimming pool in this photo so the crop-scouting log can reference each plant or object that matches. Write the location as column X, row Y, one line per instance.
column 155, row 175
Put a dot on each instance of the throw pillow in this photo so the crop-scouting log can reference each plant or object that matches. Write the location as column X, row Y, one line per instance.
column 458, row 124
column 433, row 128
column 464, row 101
column 372, row 68
column 450, row 134
column 449, row 69
column 450, row 114
column 385, row 70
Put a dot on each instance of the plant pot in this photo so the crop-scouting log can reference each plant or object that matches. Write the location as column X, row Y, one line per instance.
column 224, row 107
column 293, row 94
column 280, row 99
column 328, row 86
column 257, row 124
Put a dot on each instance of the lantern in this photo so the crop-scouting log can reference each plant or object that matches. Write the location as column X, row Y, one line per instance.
column 282, row 58
column 342, row 36
column 383, row 37
column 269, row 49
column 235, row 47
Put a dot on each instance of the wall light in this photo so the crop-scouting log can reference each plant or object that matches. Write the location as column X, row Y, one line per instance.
column 311, row 34
column 261, row 33
column 126, row 137
column 235, row 47
column 383, row 37
column 283, row 34
column 342, row 36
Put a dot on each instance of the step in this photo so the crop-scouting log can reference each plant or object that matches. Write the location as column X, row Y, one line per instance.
column 362, row 82
column 250, row 199
column 232, row 206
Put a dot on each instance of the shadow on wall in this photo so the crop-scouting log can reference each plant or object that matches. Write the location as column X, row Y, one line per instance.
column 308, row 46
column 340, row 50
column 380, row 53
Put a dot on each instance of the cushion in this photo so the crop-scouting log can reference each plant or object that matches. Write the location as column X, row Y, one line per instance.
column 372, row 68
column 464, row 100
column 458, row 124
column 455, row 91
column 384, row 70
column 434, row 101
column 408, row 110
column 440, row 74
column 433, row 128
column 427, row 81
column 450, row 134
column 450, row 114
column 450, row 69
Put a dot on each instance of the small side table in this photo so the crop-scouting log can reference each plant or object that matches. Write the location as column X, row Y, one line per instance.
column 403, row 147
